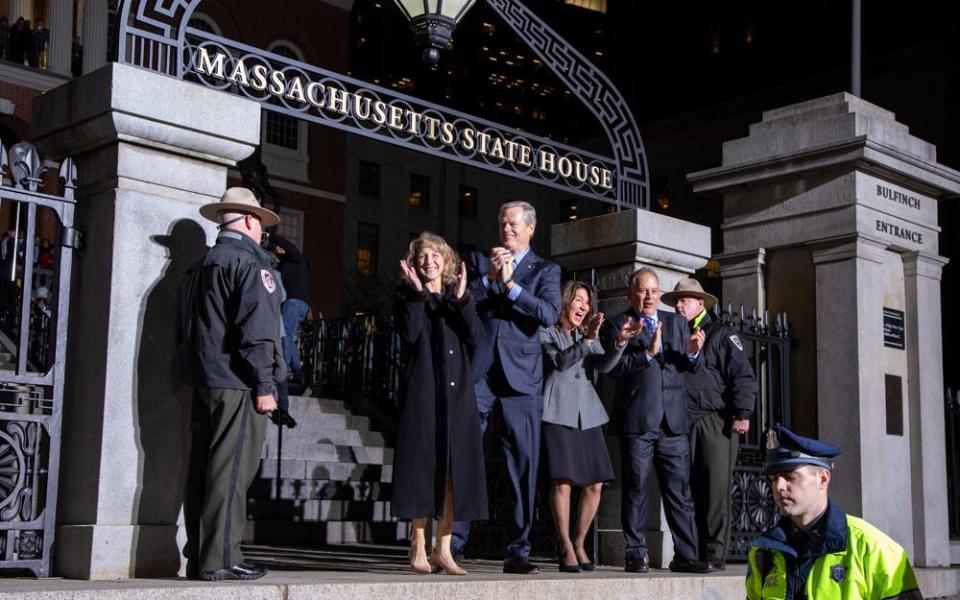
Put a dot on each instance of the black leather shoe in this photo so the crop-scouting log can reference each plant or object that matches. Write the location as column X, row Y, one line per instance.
column 717, row 564
column 637, row 564
column 518, row 565
column 241, row 571
column 588, row 566
column 685, row 565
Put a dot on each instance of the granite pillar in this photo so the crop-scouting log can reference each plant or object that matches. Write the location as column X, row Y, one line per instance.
column 614, row 246
column 842, row 200
column 60, row 23
column 149, row 150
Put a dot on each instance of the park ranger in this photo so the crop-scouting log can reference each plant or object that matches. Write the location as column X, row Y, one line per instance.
column 815, row 550
column 229, row 349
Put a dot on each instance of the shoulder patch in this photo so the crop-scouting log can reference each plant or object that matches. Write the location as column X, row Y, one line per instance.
column 735, row 339
column 268, row 283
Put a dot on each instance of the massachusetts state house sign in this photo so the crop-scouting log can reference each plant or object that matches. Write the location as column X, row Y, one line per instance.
column 153, row 34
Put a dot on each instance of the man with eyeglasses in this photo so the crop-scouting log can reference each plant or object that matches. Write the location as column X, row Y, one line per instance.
column 229, row 349
column 650, row 417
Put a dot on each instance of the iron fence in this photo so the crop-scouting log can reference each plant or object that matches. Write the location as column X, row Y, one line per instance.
column 767, row 345
column 32, row 351
column 951, row 415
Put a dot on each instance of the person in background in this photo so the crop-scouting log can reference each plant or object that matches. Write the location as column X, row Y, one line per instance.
column 721, row 394
column 575, row 452
column 438, row 465
column 295, row 275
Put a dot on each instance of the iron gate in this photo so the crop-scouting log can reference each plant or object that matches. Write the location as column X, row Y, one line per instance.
column 34, row 302
column 767, row 345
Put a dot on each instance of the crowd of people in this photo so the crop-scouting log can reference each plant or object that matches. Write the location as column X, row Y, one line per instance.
column 12, row 260
column 497, row 333
column 26, row 43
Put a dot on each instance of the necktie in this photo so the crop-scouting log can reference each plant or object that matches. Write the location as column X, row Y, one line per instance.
column 649, row 324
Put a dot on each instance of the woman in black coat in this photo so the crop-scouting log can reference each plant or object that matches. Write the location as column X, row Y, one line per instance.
column 438, row 463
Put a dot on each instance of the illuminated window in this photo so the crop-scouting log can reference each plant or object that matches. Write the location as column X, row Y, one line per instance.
column 368, row 179
column 368, row 241
column 599, row 6
column 468, row 202
column 488, row 28
column 419, row 191
column 568, row 210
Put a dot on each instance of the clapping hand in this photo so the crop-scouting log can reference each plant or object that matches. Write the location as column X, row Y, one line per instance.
column 461, row 287
column 499, row 261
column 629, row 329
column 654, row 347
column 695, row 343
column 593, row 326
column 410, row 275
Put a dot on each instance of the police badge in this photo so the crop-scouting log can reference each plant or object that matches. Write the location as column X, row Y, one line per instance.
column 838, row 572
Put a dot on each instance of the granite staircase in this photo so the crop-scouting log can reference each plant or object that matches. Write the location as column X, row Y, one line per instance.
column 334, row 480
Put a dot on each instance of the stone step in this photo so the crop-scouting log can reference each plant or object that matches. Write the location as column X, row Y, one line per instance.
column 326, row 452
column 326, row 471
column 330, row 532
column 375, row 511
column 311, row 419
column 342, row 437
column 300, row 404
column 314, row 489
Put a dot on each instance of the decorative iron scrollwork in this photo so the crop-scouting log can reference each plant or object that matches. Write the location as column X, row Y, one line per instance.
column 29, row 544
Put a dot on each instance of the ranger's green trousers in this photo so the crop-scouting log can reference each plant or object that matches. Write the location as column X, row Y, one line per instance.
column 227, row 440
column 713, row 452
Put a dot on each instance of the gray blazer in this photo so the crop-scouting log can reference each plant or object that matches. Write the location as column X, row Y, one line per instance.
column 568, row 395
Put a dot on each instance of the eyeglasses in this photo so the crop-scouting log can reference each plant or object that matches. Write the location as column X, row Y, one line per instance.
column 647, row 291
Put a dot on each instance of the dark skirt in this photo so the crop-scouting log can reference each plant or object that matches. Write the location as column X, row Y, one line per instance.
column 578, row 455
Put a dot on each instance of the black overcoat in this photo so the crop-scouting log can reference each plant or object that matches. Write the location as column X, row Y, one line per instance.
column 439, row 424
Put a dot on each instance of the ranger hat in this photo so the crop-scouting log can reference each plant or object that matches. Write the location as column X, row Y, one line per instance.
column 689, row 287
column 239, row 200
column 786, row 451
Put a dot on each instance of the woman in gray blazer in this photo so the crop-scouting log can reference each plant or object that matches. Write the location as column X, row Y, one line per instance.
column 576, row 453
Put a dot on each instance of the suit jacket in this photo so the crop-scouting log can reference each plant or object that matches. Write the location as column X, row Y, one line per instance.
column 650, row 395
column 512, row 327
column 569, row 398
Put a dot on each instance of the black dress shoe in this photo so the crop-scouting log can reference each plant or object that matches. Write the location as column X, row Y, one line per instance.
column 685, row 565
column 241, row 571
column 636, row 564
column 718, row 564
column 518, row 565
column 588, row 566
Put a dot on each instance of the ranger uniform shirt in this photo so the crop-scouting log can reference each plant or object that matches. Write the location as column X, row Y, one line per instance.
column 840, row 558
column 229, row 323
column 722, row 378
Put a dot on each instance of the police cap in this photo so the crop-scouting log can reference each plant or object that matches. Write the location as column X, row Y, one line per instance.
column 786, row 451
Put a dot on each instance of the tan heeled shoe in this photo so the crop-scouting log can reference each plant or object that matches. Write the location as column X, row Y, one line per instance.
column 418, row 567
column 445, row 564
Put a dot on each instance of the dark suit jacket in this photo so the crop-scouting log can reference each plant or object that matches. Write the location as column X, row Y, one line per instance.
column 652, row 393
column 512, row 328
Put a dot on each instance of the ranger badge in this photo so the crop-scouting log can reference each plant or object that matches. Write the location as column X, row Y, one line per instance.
column 736, row 342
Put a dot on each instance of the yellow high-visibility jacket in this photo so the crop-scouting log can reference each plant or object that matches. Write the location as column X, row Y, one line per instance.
column 850, row 559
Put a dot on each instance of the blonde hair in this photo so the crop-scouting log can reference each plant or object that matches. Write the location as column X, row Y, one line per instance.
column 451, row 262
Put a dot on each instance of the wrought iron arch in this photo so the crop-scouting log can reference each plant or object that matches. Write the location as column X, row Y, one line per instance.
column 152, row 34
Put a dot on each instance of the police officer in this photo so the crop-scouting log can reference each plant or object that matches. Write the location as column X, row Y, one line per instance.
column 721, row 394
column 815, row 550
column 229, row 349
